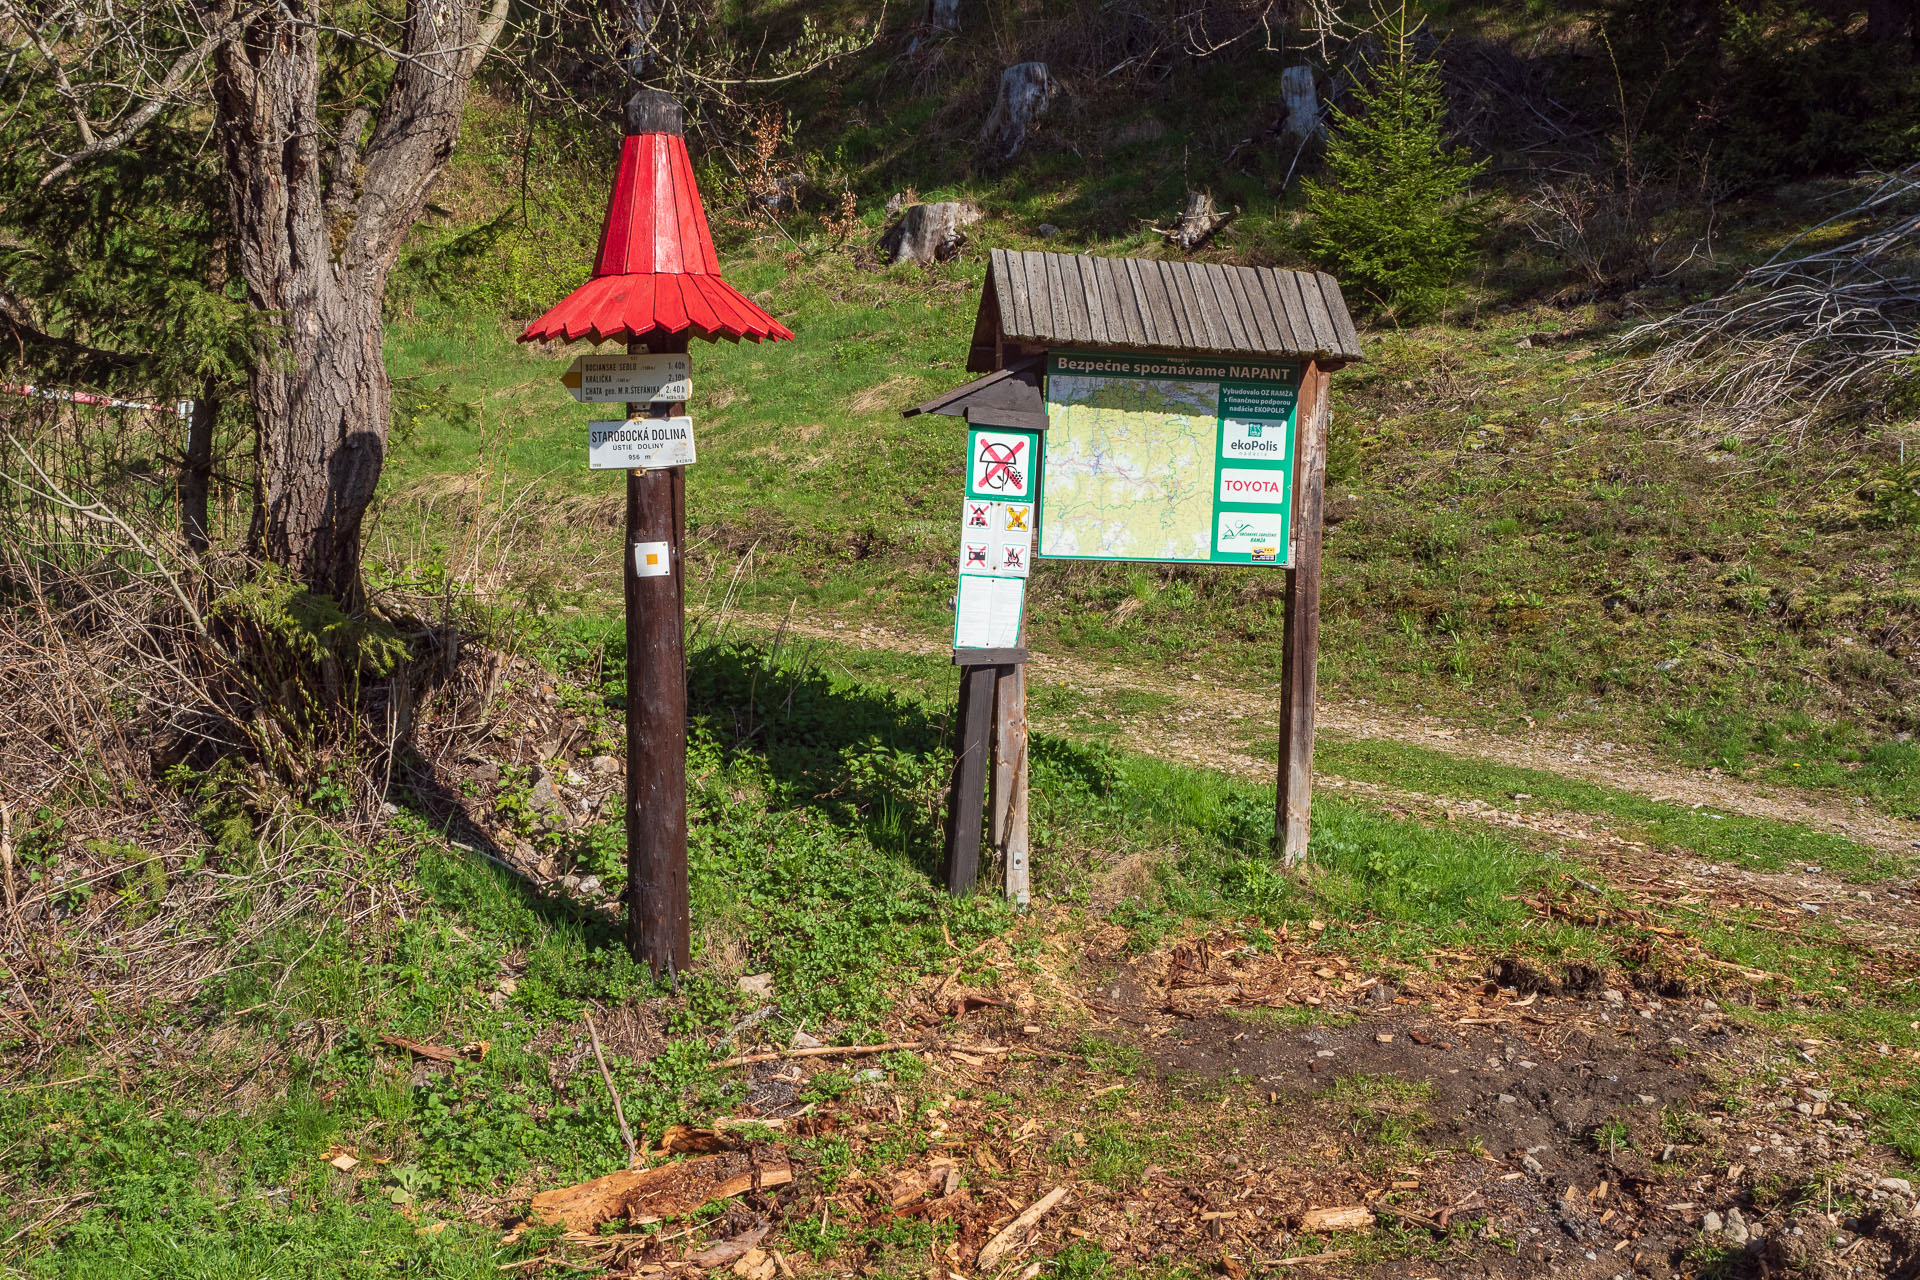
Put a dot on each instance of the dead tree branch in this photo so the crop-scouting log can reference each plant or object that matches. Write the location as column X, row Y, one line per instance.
column 1801, row 329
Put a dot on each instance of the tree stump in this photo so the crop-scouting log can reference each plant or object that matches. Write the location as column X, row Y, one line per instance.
column 1197, row 223
column 1025, row 91
column 1305, row 122
column 928, row 233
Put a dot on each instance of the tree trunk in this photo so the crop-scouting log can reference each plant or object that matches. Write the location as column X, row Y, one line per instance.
column 1026, row 90
column 1198, row 222
column 315, row 249
column 929, row 233
column 641, row 15
column 1301, row 101
column 196, row 467
column 1888, row 19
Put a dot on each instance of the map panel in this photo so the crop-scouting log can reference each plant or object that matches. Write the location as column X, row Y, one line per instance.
column 1167, row 458
column 1130, row 468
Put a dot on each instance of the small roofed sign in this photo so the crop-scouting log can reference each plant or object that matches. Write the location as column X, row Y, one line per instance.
column 640, row 444
column 641, row 377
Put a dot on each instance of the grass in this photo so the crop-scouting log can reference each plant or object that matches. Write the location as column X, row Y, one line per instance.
column 1759, row 844
column 1384, row 1114
column 798, row 869
column 1503, row 547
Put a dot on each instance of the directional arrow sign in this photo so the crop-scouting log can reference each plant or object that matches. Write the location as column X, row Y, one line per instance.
column 640, row 378
column 639, row 444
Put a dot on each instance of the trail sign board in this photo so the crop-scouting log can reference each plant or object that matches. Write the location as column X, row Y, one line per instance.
column 1168, row 458
column 639, row 378
column 640, row 444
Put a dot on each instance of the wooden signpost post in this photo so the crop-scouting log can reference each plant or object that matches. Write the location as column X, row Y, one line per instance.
column 659, row 920
column 655, row 285
column 1182, row 419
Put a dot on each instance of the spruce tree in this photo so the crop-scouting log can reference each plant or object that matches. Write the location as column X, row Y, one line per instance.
column 1394, row 215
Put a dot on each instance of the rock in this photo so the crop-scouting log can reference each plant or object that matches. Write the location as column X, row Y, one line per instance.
column 757, row 984
column 1708, row 1006
column 1046, row 231
column 1645, row 1099
column 589, row 887
column 780, row 193
column 487, row 774
column 1711, row 1223
column 870, row 1075
column 801, row 1040
column 1026, row 91
column 943, row 15
column 1611, row 996
column 1532, row 1166
column 388, row 809
column 1737, row 1230
column 1508, row 1098
column 1899, row 1186
column 928, row 233
column 544, row 798
column 604, row 765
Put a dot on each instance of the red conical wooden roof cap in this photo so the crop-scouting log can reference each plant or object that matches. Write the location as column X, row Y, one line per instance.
column 656, row 269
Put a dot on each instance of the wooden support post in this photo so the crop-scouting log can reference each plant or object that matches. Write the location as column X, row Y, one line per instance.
column 658, row 925
column 1007, row 808
column 970, row 748
column 1293, row 802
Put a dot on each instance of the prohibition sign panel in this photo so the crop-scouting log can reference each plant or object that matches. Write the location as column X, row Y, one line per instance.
column 1185, row 459
column 1001, row 464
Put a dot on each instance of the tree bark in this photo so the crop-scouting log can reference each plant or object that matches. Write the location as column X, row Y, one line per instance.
column 929, row 233
column 1305, row 122
column 196, row 467
column 321, row 395
column 1889, row 19
column 1026, row 90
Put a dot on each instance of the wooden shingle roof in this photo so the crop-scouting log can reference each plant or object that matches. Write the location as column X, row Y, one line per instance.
column 1144, row 304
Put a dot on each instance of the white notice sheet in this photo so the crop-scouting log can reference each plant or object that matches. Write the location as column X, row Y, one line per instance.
column 987, row 612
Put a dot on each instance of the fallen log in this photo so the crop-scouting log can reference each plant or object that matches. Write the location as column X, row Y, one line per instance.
column 673, row 1190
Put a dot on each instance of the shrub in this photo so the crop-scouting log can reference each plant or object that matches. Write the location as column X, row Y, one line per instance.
column 1395, row 215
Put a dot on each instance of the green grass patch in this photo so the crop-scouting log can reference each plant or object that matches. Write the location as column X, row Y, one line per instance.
column 1759, row 844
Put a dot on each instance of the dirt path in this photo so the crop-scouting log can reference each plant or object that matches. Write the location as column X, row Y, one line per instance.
column 1208, row 723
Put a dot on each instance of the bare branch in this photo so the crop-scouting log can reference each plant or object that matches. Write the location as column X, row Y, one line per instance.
column 1793, row 333
column 491, row 26
column 59, row 77
column 183, row 67
column 106, row 515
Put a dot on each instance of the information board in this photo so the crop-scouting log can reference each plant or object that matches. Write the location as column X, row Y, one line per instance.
column 996, row 538
column 1168, row 458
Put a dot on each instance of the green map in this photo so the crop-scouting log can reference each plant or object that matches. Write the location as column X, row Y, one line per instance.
column 1130, row 468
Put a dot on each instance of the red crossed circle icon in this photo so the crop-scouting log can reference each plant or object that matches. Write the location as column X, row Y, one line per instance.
column 1000, row 458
